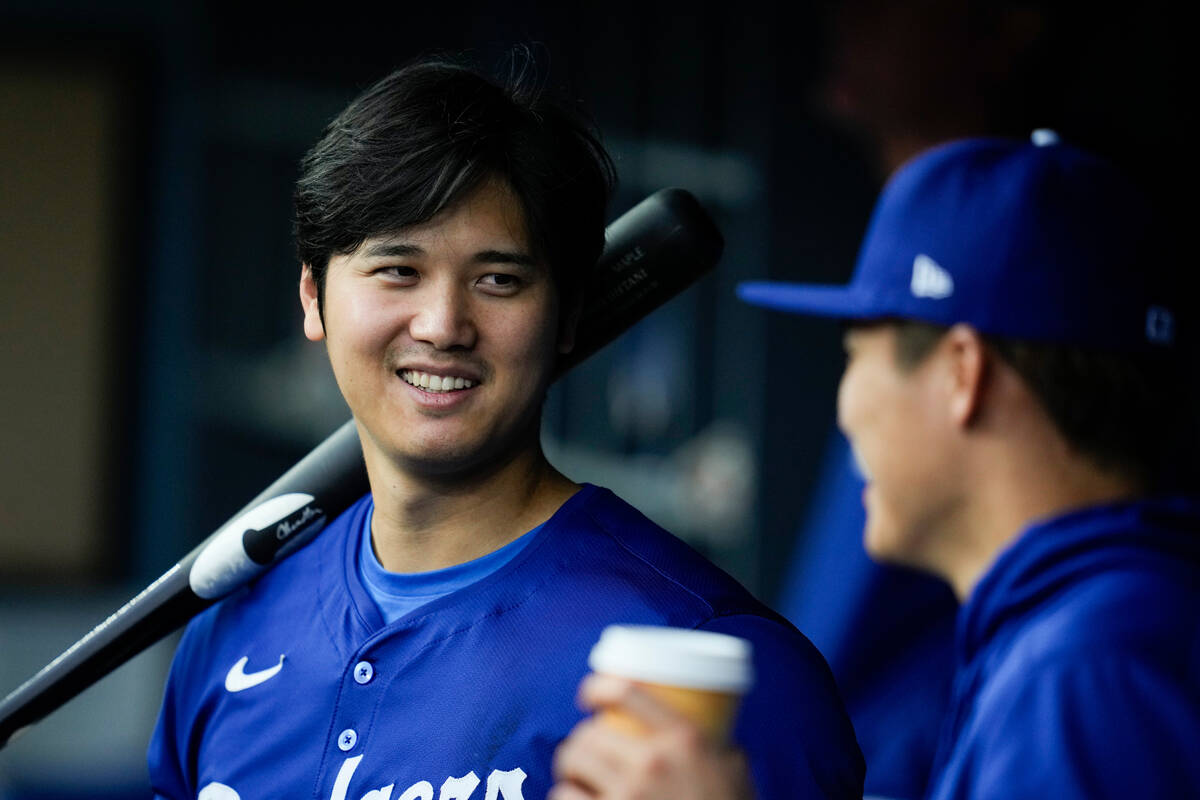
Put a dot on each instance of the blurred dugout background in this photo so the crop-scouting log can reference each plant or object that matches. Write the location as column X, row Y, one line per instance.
column 154, row 375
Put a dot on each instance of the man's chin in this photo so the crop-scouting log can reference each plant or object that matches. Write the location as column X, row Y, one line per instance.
column 874, row 546
column 893, row 548
column 447, row 452
column 883, row 544
column 445, row 464
column 457, row 462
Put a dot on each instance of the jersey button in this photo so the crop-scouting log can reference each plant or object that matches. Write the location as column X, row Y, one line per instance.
column 363, row 672
column 347, row 739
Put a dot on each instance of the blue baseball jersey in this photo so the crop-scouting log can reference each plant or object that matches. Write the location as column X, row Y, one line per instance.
column 1079, row 673
column 295, row 686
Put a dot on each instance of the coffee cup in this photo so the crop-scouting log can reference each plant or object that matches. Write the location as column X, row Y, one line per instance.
column 700, row 674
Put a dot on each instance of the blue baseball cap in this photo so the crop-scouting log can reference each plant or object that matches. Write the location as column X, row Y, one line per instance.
column 1033, row 240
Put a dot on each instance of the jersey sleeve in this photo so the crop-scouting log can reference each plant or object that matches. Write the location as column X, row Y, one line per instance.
column 1108, row 727
column 792, row 724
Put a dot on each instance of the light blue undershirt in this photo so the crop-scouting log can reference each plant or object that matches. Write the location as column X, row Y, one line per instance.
column 398, row 593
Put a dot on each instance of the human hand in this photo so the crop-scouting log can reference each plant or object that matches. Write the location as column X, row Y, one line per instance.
column 671, row 760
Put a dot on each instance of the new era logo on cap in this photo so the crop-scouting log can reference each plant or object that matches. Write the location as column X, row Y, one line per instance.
column 930, row 279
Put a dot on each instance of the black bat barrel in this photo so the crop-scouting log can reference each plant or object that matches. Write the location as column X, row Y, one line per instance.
column 653, row 252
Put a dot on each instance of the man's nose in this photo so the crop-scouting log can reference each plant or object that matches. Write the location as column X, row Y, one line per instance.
column 842, row 405
column 444, row 319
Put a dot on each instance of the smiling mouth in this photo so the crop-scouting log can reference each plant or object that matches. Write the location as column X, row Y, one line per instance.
column 430, row 382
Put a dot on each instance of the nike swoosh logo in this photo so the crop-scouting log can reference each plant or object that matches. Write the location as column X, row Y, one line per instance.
column 237, row 680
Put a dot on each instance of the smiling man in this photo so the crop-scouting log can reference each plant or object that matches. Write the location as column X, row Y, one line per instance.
column 1017, row 397
column 429, row 642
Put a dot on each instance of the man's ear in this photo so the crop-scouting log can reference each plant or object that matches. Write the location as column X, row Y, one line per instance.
column 568, row 323
column 314, row 326
column 968, row 367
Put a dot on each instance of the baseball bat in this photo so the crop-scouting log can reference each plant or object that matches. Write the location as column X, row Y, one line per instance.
column 651, row 253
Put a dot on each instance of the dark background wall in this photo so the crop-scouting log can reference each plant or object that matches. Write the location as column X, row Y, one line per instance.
column 782, row 118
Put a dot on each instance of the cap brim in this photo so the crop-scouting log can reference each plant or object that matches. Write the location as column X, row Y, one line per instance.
column 825, row 301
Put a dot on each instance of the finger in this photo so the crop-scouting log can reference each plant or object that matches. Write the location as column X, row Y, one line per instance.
column 735, row 771
column 606, row 691
column 598, row 690
column 591, row 756
column 569, row 791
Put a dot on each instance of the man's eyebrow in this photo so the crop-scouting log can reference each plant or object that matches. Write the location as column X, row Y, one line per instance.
column 505, row 257
column 399, row 250
column 392, row 250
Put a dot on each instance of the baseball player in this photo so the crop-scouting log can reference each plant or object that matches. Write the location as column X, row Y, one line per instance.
column 1014, row 395
column 430, row 641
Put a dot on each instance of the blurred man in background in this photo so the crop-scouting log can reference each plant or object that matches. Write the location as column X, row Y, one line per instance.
column 1017, row 399
column 901, row 78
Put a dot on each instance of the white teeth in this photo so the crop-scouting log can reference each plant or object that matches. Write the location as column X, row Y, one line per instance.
column 435, row 383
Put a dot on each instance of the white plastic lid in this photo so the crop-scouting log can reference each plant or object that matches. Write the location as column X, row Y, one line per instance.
column 675, row 657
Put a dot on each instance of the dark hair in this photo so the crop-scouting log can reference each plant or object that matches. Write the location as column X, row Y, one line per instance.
column 1130, row 413
column 428, row 134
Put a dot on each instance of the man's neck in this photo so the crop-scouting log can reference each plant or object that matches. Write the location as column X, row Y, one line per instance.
column 1021, row 489
column 423, row 523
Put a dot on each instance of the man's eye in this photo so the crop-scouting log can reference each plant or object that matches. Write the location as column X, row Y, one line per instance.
column 397, row 272
column 500, row 280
